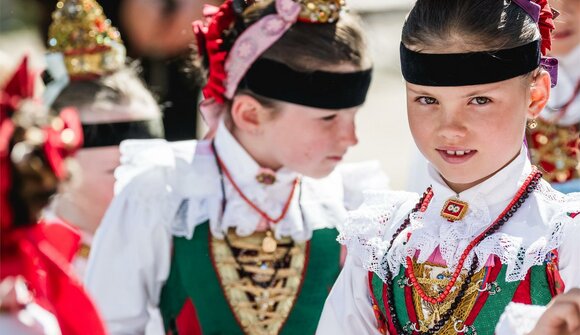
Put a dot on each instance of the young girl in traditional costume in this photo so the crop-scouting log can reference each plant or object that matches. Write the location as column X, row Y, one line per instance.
column 38, row 292
column 553, row 137
column 489, row 231
column 236, row 226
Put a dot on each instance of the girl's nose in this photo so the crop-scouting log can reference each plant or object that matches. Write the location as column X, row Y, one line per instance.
column 453, row 124
column 349, row 136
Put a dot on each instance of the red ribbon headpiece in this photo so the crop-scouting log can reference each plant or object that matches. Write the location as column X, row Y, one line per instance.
column 62, row 137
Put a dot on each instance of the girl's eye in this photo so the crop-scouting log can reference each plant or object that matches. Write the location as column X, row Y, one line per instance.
column 426, row 100
column 480, row 100
column 329, row 118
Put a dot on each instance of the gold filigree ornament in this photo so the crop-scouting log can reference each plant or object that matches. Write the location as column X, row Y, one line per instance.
column 269, row 243
column 454, row 209
column 555, row 150
column 260, row 287
column 433, row 278
column 320, row 11
column 91, row 46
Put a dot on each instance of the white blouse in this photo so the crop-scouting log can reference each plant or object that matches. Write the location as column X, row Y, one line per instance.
column 168, row 189
column 540, row 225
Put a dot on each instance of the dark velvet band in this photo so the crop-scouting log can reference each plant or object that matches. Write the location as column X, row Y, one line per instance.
column 108, row 134
column 319, row 89
column 468, row 68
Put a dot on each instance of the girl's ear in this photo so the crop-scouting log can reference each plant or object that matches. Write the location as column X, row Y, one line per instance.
column 539, row 93
column 248, row 114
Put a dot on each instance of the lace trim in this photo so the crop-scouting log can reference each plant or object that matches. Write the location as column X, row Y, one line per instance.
column 369, row 230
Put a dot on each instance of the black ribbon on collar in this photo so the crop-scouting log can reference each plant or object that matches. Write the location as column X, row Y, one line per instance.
column 471, row 68
column 319, row 89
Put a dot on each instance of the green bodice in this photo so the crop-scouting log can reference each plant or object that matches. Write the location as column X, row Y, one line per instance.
column 194, row 277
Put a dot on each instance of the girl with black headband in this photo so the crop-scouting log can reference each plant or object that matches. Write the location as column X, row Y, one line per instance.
column 237, row 233
column 489, row 232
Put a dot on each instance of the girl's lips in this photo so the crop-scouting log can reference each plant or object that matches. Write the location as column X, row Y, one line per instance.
column 335, row 158
column 454, row 158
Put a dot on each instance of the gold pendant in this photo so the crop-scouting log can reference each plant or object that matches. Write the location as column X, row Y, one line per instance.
column 266, row 176
column 269, row 243
column 454, row 209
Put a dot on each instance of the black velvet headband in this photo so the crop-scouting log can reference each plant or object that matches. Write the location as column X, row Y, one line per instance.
column 108, row 134
column 471, row 68
column 319, row 89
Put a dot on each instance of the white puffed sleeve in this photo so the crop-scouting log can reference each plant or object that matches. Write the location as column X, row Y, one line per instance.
column 360, row 177
column 348, row 308
column 131, row 253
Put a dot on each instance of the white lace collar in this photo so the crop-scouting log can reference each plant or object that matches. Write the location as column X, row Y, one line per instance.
column 486, row 201
column 521, row 243
column 524, row 241
column 498, row 189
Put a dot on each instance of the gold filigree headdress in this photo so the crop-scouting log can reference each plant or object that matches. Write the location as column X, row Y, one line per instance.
column 91, row 46
column 320, row 11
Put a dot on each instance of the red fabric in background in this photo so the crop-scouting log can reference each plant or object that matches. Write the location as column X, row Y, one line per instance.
column 41, row 254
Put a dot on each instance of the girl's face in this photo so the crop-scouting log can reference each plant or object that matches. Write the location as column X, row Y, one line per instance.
column 309, row 140
column 84, row 203
column 566, row 36
column 469, row 132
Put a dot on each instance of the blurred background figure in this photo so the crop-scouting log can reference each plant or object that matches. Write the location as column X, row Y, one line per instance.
column 39, row 293
column 158, row 33
column 553, row 137
column 86, row 69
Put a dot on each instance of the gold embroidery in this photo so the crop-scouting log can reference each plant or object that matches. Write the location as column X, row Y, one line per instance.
column 260, row 287
column 555, row 149
column 84, row 251
column 433, row 279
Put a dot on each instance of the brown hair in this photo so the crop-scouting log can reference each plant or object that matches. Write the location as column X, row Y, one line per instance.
column 121, row 89
column 476, row 25
column 33, row 181
column 309, row 47
column 305, row 47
